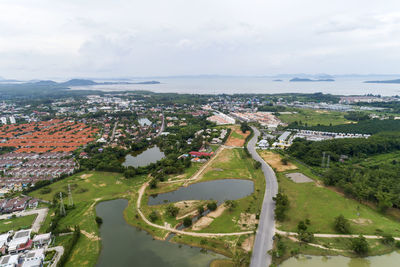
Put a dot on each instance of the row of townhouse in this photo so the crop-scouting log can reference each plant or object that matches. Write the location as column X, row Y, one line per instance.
column 29, row 156
column 19, row 183
column 17, row 204
column 53, row 172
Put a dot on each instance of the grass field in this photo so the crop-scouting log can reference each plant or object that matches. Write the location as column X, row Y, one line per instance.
column 314, row 117
column 87, row 189
column 321, row 205
column 17, row 223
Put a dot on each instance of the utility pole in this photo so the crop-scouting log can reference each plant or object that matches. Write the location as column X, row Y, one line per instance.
column 323, row 159
column 70, row 200
column 62, row 208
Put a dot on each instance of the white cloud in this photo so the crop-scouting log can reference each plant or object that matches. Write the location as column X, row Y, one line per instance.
column 67, row 38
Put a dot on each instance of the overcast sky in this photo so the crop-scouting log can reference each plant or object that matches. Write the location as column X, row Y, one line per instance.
column 118, row 38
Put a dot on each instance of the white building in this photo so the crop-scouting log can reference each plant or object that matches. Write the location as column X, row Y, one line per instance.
column 263, row 144
column 9, row 261
column 3, row 120
column 34, row 258
column 12, row 120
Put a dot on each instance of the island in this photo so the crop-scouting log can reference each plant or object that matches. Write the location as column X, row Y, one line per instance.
column 384, row 81
column 310, row 80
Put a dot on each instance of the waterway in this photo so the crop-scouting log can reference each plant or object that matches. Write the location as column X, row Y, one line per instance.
column 388, row 260
column 218, row 190
column 150, row 155
column 124, row 245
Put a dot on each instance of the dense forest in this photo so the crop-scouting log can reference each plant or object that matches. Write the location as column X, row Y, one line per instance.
column 377, row 182
column 362, row 127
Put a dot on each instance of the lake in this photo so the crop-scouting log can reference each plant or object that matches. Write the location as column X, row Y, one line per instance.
column 125, row 245
column 150, row 155
column 388, row 260
column 218, row 190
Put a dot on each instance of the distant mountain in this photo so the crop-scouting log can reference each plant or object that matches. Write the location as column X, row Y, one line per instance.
column 384, row 81
column 78, row 82
column 84, row 82
column 48, row 82
column 277, row 80
column 296, row 79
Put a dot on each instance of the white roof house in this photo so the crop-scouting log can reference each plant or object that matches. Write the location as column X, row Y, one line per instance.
column 9, row 261
column 4, row 239
column 263, row 144
column 34, row 258
column 43, row 239
column 21, row 237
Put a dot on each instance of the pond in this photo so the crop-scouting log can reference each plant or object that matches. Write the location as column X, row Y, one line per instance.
column 125, row 245
column 388, row 260
column 144, row 122
column 150, row 155
column 218, row 190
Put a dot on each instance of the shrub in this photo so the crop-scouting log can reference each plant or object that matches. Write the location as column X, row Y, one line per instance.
column 187, row 221
column 153, row 216
column 172, row 211
column 342, row 225
column 212, row 206
column 360, row 245
column 99, row 220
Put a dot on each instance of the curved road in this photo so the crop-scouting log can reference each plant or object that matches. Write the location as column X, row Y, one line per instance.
column 266, row 225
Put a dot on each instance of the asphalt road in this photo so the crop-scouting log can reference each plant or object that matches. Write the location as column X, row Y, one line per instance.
column 266, row 226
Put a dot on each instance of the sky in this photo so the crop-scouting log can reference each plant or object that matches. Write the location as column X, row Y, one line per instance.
column 131, row 38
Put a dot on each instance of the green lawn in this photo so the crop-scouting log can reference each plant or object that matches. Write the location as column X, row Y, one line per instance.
column 236, row 135
column 87, row 189
column 321, row 205
column 17, row 223
column 314, row 117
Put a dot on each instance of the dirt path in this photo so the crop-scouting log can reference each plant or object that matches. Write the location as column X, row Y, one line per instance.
column 333, row 235
column 91, row 236
column 199, row 173
column 317, row 245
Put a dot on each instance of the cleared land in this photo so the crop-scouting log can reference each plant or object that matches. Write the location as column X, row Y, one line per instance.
column 299, row 177
column 237, row 138
column 275, row 161
column 314, row 117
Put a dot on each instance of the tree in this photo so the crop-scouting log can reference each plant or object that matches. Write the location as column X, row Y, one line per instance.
column 153, row 216
column 360, row 245
column 285, row 161
column 230, row 204
column 244, row 127
column 342, row 225
column 172, row 211
column 187, row 221
column 281, row 206
column 153, row 183
column 200, row 209
column 212, row 206
column 99, row 220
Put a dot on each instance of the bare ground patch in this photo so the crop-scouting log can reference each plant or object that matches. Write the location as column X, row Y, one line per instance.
column 205, row 221
column 275, row 161
column 236, row 142
column 85, row 176
column 298, row 177
column 361, row 221
column 247, row 244
column 247, row 221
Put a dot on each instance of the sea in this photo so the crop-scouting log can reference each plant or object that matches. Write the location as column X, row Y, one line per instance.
column 347, row 85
